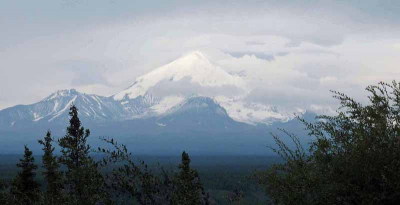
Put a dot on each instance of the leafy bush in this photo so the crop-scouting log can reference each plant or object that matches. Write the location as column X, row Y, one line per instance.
column 353, row 159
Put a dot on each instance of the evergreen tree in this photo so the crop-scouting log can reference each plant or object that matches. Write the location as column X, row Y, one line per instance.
column 51, row 174
column 189, row 190
column 84, row 183
column 25, row 188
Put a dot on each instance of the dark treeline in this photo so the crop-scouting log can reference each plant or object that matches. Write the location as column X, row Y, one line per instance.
column 353, row 158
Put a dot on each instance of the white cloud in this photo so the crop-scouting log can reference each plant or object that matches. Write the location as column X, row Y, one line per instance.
column 291, row 53
column 328, row 80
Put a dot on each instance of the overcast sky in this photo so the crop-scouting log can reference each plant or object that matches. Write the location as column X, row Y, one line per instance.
column 300, row 50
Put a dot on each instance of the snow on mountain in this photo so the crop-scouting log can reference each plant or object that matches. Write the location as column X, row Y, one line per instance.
column 55, row 108
column 212, row 81
column 166, row 104
column 255, row 113
column 163, row 91
column 251, row 113
column 194, row 66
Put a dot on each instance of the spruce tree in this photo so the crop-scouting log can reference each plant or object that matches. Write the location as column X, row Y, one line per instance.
column 25, row 188
column 83, row 180
column 52, row 175
column 189, row 190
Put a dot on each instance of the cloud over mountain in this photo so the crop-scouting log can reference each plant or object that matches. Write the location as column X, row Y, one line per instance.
column 101, row 47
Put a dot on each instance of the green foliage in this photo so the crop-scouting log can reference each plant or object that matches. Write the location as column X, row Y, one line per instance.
column 189, row 190
column 354, row 159
column 134, row 182
column 25, row 188
column 83, row 182
column 52, row 175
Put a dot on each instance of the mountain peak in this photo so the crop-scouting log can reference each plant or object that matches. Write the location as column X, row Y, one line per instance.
column 62, row 93
column 194, row 55
column 191, row 62
column 66, row 92
column 193, row 66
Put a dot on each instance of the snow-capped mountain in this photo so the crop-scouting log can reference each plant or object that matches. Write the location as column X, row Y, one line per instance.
column 55, row 108
column 193, row 75
column 159, row 93
column 194, row 67
column 189, row 104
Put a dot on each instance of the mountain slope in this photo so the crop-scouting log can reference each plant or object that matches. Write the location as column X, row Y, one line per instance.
column 198, row 113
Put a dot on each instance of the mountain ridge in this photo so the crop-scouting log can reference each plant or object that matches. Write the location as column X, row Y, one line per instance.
column 198, row 124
